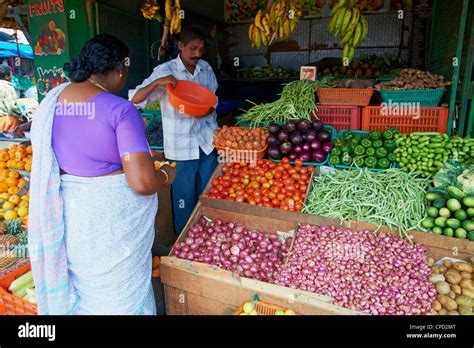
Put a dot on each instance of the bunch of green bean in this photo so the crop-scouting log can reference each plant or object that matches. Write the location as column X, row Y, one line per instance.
column 297, row 101
column 393, row 198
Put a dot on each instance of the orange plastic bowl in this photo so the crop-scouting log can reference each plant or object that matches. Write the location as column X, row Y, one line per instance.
column 191, row 98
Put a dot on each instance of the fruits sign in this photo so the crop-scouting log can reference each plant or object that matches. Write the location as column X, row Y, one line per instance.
column 48, row 26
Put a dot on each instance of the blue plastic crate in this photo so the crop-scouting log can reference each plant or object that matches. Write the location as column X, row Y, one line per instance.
column 153, row 118
column 365, row 134
column 426, row 97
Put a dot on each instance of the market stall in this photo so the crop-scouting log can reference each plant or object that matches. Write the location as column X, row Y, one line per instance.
column 347, row 193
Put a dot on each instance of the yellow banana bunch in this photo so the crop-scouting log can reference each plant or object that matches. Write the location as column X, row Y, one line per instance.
column 150, row 10
column 348, row 23
column 173, row 15
column 278, row 23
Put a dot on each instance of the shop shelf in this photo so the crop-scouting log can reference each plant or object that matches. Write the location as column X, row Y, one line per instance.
column 10, row 304
column 431, row 119
column 427, row 97
column 365, row 134
column 340, row 117
column 345, row 96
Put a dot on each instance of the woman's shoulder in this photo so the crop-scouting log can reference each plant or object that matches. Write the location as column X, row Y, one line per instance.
column 115, row 102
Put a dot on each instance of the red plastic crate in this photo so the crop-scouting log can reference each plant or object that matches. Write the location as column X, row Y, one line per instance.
column 340, row 117
column 345, row 96
column 10, row 304
column 431, row 119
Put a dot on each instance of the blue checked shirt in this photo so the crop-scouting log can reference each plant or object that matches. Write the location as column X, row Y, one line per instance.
column 183, row 135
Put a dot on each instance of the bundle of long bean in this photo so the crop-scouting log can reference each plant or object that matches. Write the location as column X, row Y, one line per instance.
column 297, row 101
column 392, row 198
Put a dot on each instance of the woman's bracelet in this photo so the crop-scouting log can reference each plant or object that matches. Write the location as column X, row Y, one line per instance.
column 166, row 174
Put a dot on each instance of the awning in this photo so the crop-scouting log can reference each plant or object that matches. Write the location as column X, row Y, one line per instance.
column 8, row 49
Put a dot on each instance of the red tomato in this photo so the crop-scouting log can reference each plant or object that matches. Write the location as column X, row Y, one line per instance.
column 239, row 199
column 296, row 198
column 272, row 165
column 235, row 180
column 252, row 201
column 284, row 207
column 304, row 177
column 298, row 163
column 227, row 183
column 296, row 177
column 288, row 181
column 287, row 166
column 275, row 189
column 225, row 193
column 290, row 188
column 260, row 162
column 272, row 195
column 278, row 175
column 258, row 199
column 285, row 160
column 213, row 191
column 298, row 206
column 303, row 188
column 292, row 171
column 310, row 169
column 266, row 200
column 220, row 188
column 303, row 170
column 215, row 182
column 281, row 196
column 276, row 203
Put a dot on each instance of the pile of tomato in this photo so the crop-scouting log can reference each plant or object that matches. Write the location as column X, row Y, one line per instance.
column 268, row 184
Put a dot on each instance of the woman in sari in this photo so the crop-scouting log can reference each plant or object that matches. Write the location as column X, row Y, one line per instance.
column 93, row 190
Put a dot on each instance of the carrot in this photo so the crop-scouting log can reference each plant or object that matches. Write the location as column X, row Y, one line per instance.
column 156, row 262
column 156, row 273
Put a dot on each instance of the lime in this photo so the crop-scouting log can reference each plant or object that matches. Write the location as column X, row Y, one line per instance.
column 441, row 222
column 460, row 214
column 433, row 212
column 470, row 212
column 437, row 230
column 428, row 223
column 448, row 232
column 453, row 223
column 444, row 212
column 470, row 235
column 468, row 225
column 460, row 233
column 453, row 204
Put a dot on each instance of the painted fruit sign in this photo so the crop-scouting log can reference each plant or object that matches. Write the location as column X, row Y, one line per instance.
column 48, row 27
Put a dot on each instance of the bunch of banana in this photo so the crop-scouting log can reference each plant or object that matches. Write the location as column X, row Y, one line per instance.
column 348, row 23
column 150, row 10
column 278, row 23
column 173, row 16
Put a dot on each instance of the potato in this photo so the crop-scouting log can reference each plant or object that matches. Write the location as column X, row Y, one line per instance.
column 463, row 267
column 434, row 278
column 448, row 303
column 443, row 312
column 443, row 299
column 452, row 295
column 465, row 310
column 464, row 300
column 442, row 288
column 456, row 289
column 468, row 292
column 466, row 283
column 437, row 269
column 466, row 275
column 431, row 261
column 453, row 276
column 442, row 269
column 437, row 306
column 453, row 313
column 448, row 263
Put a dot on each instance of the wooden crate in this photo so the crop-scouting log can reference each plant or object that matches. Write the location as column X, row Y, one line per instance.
column 193, row 288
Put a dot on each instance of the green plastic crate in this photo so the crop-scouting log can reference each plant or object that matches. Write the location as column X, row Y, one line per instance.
column 365, row 134
column 427, row 97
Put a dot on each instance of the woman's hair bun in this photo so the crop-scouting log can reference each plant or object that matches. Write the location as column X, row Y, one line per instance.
column 99, row 55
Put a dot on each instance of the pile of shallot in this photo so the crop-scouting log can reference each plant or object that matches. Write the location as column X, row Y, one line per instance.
column 232, row 247
column 378, row 274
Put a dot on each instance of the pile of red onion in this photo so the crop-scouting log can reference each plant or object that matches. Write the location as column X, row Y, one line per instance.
column 232, row 247
column 377, row 274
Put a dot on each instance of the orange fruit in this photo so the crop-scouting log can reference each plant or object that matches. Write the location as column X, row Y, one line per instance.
column 29, row 150
column 21, row 183
column 3, row 165
column 12, row 182
column 14, row 175
column 19, row 155
column 14, row 147
column 20, row 165
column 3, row 188
column 4, row 156
column 12, row 190
column 28, row 167
column 21, row 147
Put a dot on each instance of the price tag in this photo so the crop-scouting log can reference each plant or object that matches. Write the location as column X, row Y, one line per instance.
column 308, row 73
